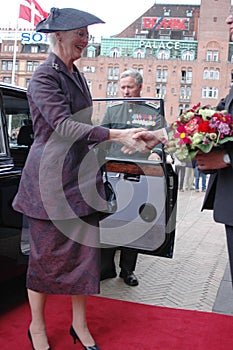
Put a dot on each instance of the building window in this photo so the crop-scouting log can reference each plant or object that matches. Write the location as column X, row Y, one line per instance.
column 211, row 74
column 34, row 49
column 210, row 92
column 7, row 80
column 212, row 56
column 91, row 51
column 163, row 55
column 189, row 13
column 188, row 55
column 183, row 107
column 27, row 82
column 140, row 70
column 185, row 92
column 113, row 73
column 186, row 76
column 166, row 12
column 160, row 91
column 32, row 65
column 89, row 69
column 139, row 53
column 112, row 89
column 161, row 75
column 115, row 52
column 11, row 48
column 8, row 65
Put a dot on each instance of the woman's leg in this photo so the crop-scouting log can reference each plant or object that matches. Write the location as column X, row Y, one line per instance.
column 37, row 327
column 79, row 322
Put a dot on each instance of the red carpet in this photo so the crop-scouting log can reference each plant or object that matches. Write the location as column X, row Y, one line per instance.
column 119, row 325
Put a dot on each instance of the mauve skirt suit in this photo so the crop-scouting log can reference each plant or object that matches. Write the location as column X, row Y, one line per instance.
column 61, row 189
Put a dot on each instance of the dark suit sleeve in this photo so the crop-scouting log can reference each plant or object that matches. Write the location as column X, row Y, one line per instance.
column 221, row 105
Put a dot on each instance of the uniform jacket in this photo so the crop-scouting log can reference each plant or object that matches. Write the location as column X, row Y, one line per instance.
column 123, row 114
column 61, row 176
column 219, row 195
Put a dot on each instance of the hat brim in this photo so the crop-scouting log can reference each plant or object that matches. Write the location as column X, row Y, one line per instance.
column 66, row 19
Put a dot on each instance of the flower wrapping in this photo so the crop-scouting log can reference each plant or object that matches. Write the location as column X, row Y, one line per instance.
column 199, row 128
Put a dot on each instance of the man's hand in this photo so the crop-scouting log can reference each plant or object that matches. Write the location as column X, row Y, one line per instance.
column 151, row 138
column 125, row 137
column 211, row 161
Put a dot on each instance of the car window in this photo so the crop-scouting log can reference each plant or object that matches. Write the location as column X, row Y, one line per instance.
column 2, row 140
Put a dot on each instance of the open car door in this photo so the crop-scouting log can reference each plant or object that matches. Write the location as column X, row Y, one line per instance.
column 146, row 194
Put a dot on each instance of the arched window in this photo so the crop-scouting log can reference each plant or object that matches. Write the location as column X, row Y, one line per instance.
column 163, row 55
column 115, row 52
column 91, row 51
column 188, row 55
column 139, row 53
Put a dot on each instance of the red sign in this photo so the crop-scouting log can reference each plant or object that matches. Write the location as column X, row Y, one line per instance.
column 165, row 23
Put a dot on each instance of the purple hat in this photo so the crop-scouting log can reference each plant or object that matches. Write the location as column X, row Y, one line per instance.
column 66, row 19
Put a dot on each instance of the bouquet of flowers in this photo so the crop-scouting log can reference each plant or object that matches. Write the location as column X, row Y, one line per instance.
column 199, row 128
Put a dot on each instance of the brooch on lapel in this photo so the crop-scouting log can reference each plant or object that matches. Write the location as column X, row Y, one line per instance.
column 56, row 66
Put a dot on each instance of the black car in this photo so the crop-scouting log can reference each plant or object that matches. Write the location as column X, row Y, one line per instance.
column 14, row 112
column 149, row 220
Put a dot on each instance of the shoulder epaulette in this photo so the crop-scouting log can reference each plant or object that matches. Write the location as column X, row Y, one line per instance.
column 116, row 103
column 152, row 104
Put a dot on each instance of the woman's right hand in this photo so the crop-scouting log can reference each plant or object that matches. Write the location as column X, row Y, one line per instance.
column 125, row 137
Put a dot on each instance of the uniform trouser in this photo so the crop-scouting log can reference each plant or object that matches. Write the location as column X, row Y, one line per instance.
column 229, row 233
column 128, row 259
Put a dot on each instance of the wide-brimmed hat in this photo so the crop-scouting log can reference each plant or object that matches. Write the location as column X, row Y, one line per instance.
column 66, row 19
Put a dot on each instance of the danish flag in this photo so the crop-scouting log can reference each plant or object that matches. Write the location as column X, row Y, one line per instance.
column 31, row 11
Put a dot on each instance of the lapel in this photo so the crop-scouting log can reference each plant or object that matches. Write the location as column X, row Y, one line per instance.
column 78, row 80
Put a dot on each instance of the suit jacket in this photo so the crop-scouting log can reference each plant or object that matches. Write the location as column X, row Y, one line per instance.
column 61, row 177
column 219, row 194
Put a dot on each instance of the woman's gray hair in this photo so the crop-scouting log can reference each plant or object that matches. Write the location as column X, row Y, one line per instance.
column 134, row 74
column 52, row 41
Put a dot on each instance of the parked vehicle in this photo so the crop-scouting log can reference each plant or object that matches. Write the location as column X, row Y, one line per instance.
column 14, row 109
column 149, row 220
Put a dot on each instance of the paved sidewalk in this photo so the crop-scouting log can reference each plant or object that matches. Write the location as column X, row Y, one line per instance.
column 192, row 279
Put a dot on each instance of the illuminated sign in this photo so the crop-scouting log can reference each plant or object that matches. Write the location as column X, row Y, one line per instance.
column 34, row 38
column 157, row 23
column 153, row 44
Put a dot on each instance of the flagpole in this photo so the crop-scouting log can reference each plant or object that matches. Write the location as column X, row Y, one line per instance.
column 15, row 48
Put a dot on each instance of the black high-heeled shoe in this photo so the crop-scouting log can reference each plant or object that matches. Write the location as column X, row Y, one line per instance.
column 75, row 338
column 30, row 338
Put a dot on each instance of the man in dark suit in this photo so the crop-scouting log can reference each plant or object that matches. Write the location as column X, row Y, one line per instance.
column 220, row 188
column 121, row 115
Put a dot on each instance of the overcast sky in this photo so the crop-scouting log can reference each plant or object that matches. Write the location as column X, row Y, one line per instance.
column 117, row 14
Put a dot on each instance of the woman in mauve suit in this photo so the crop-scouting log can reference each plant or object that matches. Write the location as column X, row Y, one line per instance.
column 61, row 189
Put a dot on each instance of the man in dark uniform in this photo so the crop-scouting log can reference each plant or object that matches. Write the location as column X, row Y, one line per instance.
column 121, row 115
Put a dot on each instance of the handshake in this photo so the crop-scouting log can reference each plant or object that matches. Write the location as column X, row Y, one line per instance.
column 138, row 139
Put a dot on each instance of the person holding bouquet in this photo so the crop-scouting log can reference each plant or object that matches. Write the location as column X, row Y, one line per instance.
column 220, row 187
column 209, row 139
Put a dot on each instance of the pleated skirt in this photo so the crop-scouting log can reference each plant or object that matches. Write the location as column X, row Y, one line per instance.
column 64, row 256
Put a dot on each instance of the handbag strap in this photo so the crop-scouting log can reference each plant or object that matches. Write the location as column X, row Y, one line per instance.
column 104, row 172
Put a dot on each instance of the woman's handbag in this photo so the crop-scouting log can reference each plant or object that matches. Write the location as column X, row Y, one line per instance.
column 110, row 197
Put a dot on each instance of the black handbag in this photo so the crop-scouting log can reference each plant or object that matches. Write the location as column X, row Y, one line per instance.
column 110, row 196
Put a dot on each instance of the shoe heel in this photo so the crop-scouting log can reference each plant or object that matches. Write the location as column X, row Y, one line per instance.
column 74, row 335
column 75, row 338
